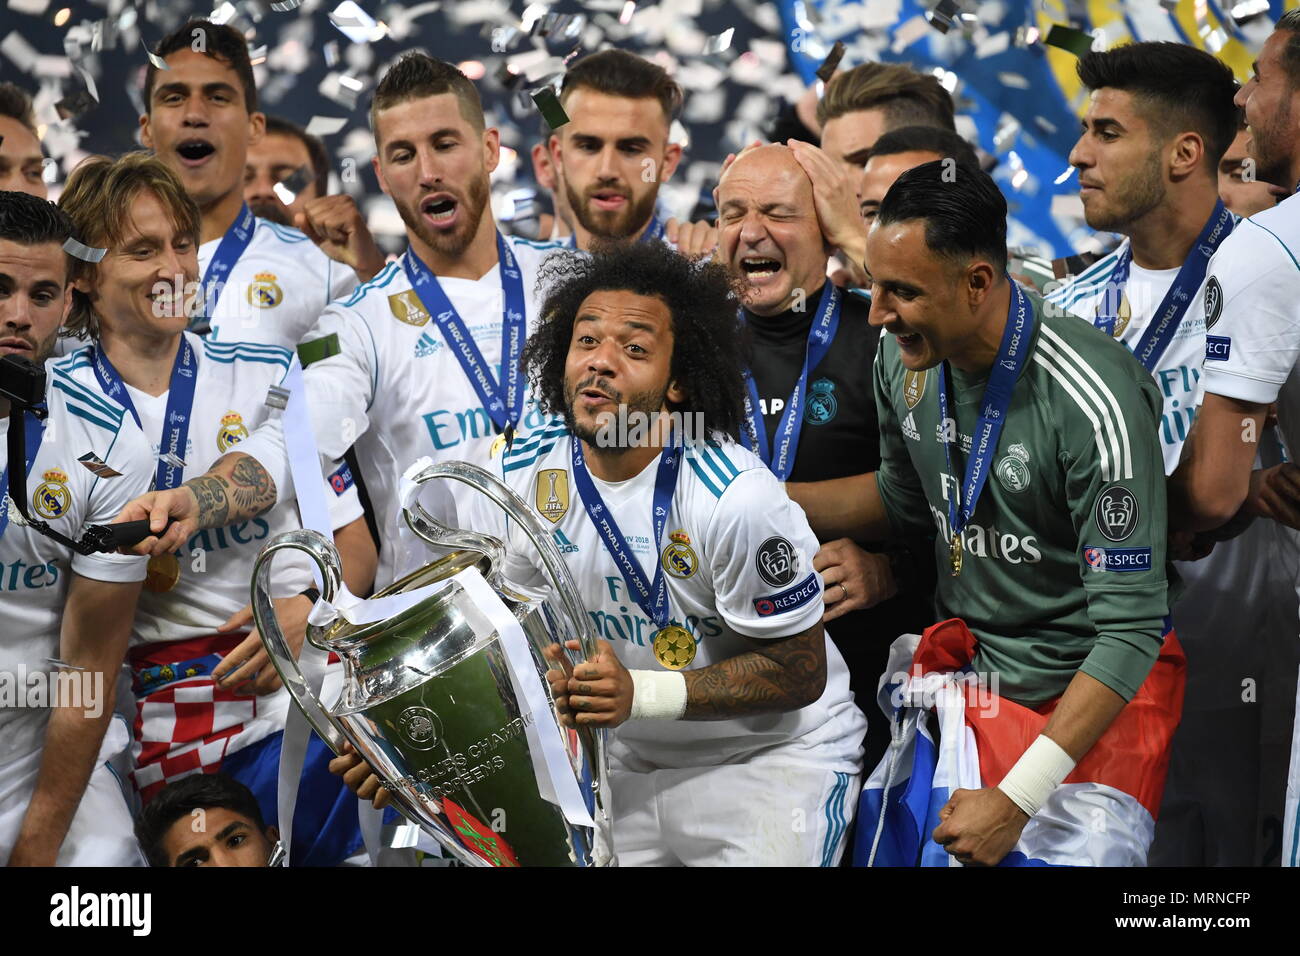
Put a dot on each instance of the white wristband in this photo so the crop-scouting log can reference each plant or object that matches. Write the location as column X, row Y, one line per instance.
column 1038, row 772
column 658, row 695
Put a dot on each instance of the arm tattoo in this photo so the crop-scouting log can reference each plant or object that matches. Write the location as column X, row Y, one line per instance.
column 254, row 490
column 214, row 506
column 778, row 676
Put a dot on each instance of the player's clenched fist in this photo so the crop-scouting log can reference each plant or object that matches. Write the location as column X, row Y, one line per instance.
column 979, row 827
column 336, row 225
column 598, row 693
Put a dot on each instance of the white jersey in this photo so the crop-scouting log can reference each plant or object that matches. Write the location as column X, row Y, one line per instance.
column 737, row 554
column 34, row 570
column 395, row 389
column 277, row 290
column 1179, row 371
column 229, row 412
column 1252, row 310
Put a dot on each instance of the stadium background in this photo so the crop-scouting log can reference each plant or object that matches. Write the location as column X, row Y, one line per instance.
column 740, row 62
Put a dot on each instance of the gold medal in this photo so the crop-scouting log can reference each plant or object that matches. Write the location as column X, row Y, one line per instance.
column 674, row 647
column 497, row 445
column 954, row 555
column 162, row 574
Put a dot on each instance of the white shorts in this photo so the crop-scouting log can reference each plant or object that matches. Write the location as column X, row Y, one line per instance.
column 102, row 832
column 748, row 814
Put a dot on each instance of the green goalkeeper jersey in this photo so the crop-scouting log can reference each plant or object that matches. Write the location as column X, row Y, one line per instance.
column 1063, row 562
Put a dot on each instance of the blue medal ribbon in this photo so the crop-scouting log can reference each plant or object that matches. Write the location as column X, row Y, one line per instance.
column 506, row 409
column 1013, row 352
column 820, row 336
column 651, row 596
column 176, row 419
column 33, row 432
column 1169, row 315
column 231, row 247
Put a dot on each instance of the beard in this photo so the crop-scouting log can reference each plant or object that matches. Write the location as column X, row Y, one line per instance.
column 451, row 244
column 272, row 210
column 604, row 434
column 1133, row 198
column 1268, row 148
column 609, row 225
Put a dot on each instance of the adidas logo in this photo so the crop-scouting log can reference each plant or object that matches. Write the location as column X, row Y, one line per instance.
column 427, row 345
column 909, row 428
column 563, row 543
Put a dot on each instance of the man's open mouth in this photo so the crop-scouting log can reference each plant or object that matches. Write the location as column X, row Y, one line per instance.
column 195, row 150
column 439, row 208
column 608, row 199
column 759, row 267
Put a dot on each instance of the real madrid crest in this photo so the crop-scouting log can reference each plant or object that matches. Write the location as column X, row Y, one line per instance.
column 407, row 307
column 1013, row 469
column 679, row 557
column 913, row 388
column 821, row 405
column 264, row 292
column 552, row 494
column 52, row 498
column 232, row 431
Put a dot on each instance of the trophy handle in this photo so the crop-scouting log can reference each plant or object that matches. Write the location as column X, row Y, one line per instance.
column 434, row 532
column 322, row 552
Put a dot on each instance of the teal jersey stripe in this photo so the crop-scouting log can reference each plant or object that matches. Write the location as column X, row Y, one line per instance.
column 378, row 282
column 704, row 478
column 721, row 455
column 833, row 813
column 1279, row 241
column 78, row 392
column 92, row 418
column 283, row 363
column 516, row 465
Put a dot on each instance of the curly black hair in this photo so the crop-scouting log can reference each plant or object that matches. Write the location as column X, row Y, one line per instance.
column 702, row 299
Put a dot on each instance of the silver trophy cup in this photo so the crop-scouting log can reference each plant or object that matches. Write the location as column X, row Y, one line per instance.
column 427, row 697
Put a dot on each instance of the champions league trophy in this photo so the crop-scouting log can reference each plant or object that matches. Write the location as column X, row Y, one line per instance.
column 443, row 694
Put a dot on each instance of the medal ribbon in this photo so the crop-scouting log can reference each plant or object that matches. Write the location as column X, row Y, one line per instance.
column 32, row 433
column 1164, row 324
column 176, row 420
column 504, row 410
column 1013, row 352
column 231, row 247
column 820, row 337
column 652, row 597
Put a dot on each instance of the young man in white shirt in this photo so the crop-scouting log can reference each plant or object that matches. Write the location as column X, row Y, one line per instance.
column 1252, row 346
column 423, row 358
column 65, row 618
column 264, row 283
column 196, row 401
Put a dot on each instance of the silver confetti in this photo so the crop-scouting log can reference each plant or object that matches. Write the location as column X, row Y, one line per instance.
column 83, row 252
column 716, row 44
column 326, row 125
column 287, row 189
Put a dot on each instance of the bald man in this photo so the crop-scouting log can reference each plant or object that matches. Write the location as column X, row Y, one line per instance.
column 812, row 411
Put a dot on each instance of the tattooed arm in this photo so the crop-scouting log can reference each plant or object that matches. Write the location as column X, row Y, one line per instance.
column 778, row 676
column 236, row 488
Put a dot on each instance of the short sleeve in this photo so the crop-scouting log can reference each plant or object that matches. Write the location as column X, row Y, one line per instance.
column 342, row 498
column 760, row 550
column 131, row 455
column 1252, row 316
column 899, row 485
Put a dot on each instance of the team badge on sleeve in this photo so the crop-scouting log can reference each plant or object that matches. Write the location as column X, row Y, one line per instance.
column 232, row 431
column 1117, row 559
column 1117, row 513
column 341, row 479
column 52, row 498
column 679, row 557
column 1213, row 302
column 551, row 494
column 407, row 307
column 777, row 562
column 264, row 292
